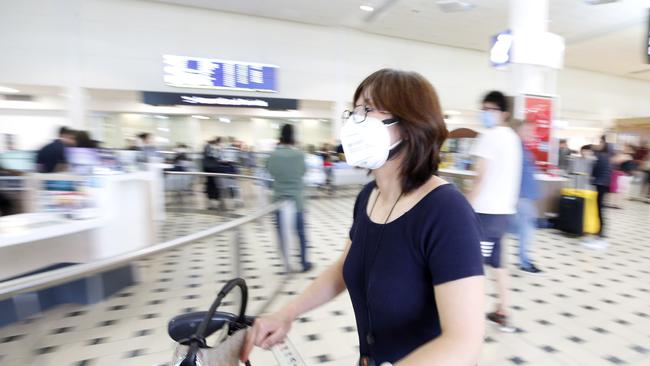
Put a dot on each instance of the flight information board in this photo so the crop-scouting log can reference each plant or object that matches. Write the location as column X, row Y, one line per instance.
column 196, row 72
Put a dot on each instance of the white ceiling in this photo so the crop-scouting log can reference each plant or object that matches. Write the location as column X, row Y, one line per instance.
column 606, row 38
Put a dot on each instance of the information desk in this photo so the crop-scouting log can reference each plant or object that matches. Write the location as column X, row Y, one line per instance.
column 120, row 220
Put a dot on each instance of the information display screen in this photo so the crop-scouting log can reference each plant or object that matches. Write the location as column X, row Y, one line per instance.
column 196, row 72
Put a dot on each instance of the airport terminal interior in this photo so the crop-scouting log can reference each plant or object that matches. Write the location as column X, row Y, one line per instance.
column 181, row 180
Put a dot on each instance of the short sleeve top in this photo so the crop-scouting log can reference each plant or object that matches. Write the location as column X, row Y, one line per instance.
column 435, row 242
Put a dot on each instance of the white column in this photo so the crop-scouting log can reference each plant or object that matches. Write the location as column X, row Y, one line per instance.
column 337, row 111
column 343, row 93
column 529, row 24
column 76, row 106
column 194, row 131
column 537, row 55
column 75, row 95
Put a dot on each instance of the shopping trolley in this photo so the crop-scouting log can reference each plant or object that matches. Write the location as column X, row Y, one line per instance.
column 191, row 330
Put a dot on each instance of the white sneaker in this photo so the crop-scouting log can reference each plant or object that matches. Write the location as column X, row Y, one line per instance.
column 602, row 243
column 595, row 244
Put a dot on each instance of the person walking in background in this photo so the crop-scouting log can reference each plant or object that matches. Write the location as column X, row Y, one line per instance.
column 495, row 191
column 211, row 165
column 230, row 163
column 564, row 155
column 581, row 167
column 601, row 177
column 315, row 176
column 52, row 157
column 525, row 220
column 83, row 140
column 287, row 167
column 148, row 151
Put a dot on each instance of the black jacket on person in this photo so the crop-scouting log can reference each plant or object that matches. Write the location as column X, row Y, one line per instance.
column 601, row 174
column 50, row 155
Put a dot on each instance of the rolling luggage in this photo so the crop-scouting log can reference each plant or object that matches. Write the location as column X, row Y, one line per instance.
column 571, row 216
column 590, row 221
column 579, row 208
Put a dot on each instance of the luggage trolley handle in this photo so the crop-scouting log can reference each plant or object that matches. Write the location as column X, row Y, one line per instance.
column 197, row 341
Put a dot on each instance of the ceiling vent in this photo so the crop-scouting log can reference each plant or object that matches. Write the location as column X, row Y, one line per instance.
column 454, row 6
column 600, row 2
column 19, row 98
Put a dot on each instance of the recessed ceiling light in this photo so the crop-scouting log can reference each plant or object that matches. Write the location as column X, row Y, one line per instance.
column 5, row 89
column 160, row 116
column 200, row 117
column 367, row 8
column 600, row 2
column 224, row 119
column 453, row 6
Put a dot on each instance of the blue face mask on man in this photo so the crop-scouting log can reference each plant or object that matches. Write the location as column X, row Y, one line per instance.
column 489, row 119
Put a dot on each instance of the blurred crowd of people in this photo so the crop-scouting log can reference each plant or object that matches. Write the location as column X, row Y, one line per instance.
column 52, row 157
column 624, row 169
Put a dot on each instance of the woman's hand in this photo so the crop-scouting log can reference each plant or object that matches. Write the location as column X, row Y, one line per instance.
column 267, row 331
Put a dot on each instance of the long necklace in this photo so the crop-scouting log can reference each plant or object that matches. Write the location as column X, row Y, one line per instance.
column 366, row 280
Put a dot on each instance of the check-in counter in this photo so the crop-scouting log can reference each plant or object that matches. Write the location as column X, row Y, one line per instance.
column 119, row 220
column 102, row 217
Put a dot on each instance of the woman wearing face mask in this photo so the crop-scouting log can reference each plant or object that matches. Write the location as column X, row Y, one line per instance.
column 412, row 264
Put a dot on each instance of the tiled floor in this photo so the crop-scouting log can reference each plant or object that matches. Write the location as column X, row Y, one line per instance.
column 589, row 308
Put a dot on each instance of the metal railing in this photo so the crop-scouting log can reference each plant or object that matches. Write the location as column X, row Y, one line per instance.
column 223, row 175
column 51, row 278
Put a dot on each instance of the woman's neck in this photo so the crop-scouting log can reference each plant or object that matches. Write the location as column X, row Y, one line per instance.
column 388, row 180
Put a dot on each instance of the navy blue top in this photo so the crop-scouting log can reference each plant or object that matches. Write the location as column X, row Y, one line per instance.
column 602, row 170
column 50, row 156
column 437, row 241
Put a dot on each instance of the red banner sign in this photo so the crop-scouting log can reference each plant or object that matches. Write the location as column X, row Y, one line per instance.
column 539, row 112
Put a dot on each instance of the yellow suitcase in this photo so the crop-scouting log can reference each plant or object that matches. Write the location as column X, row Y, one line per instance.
column 590, row 221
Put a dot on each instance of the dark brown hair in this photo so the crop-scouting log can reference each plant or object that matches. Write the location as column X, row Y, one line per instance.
column 286, row 135
column 410, row 98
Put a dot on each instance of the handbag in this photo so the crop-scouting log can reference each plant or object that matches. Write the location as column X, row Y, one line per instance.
column 192, row 349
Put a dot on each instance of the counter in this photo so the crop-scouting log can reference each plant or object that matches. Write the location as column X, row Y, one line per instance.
column 550, row 186
column 121, row 221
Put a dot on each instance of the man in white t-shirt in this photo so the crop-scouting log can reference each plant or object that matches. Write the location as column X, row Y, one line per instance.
column 495, row 192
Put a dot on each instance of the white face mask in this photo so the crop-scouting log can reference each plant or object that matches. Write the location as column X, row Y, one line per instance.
column 367, row 144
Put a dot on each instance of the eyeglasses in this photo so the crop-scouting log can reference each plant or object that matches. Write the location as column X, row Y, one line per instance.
column 358, row 114
column 485, row 109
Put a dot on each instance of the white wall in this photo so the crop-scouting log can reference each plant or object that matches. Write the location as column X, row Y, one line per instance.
column 31, row 131
column 117, row 44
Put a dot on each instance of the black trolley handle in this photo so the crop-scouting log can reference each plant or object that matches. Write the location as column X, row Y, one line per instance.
column 198, row 339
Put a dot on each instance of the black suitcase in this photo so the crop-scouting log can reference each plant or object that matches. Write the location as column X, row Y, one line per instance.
column 570, row 219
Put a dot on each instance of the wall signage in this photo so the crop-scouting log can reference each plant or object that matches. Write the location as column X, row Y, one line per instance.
column 197, row 72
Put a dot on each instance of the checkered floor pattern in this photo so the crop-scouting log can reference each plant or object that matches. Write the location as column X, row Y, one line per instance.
column 588, row 308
